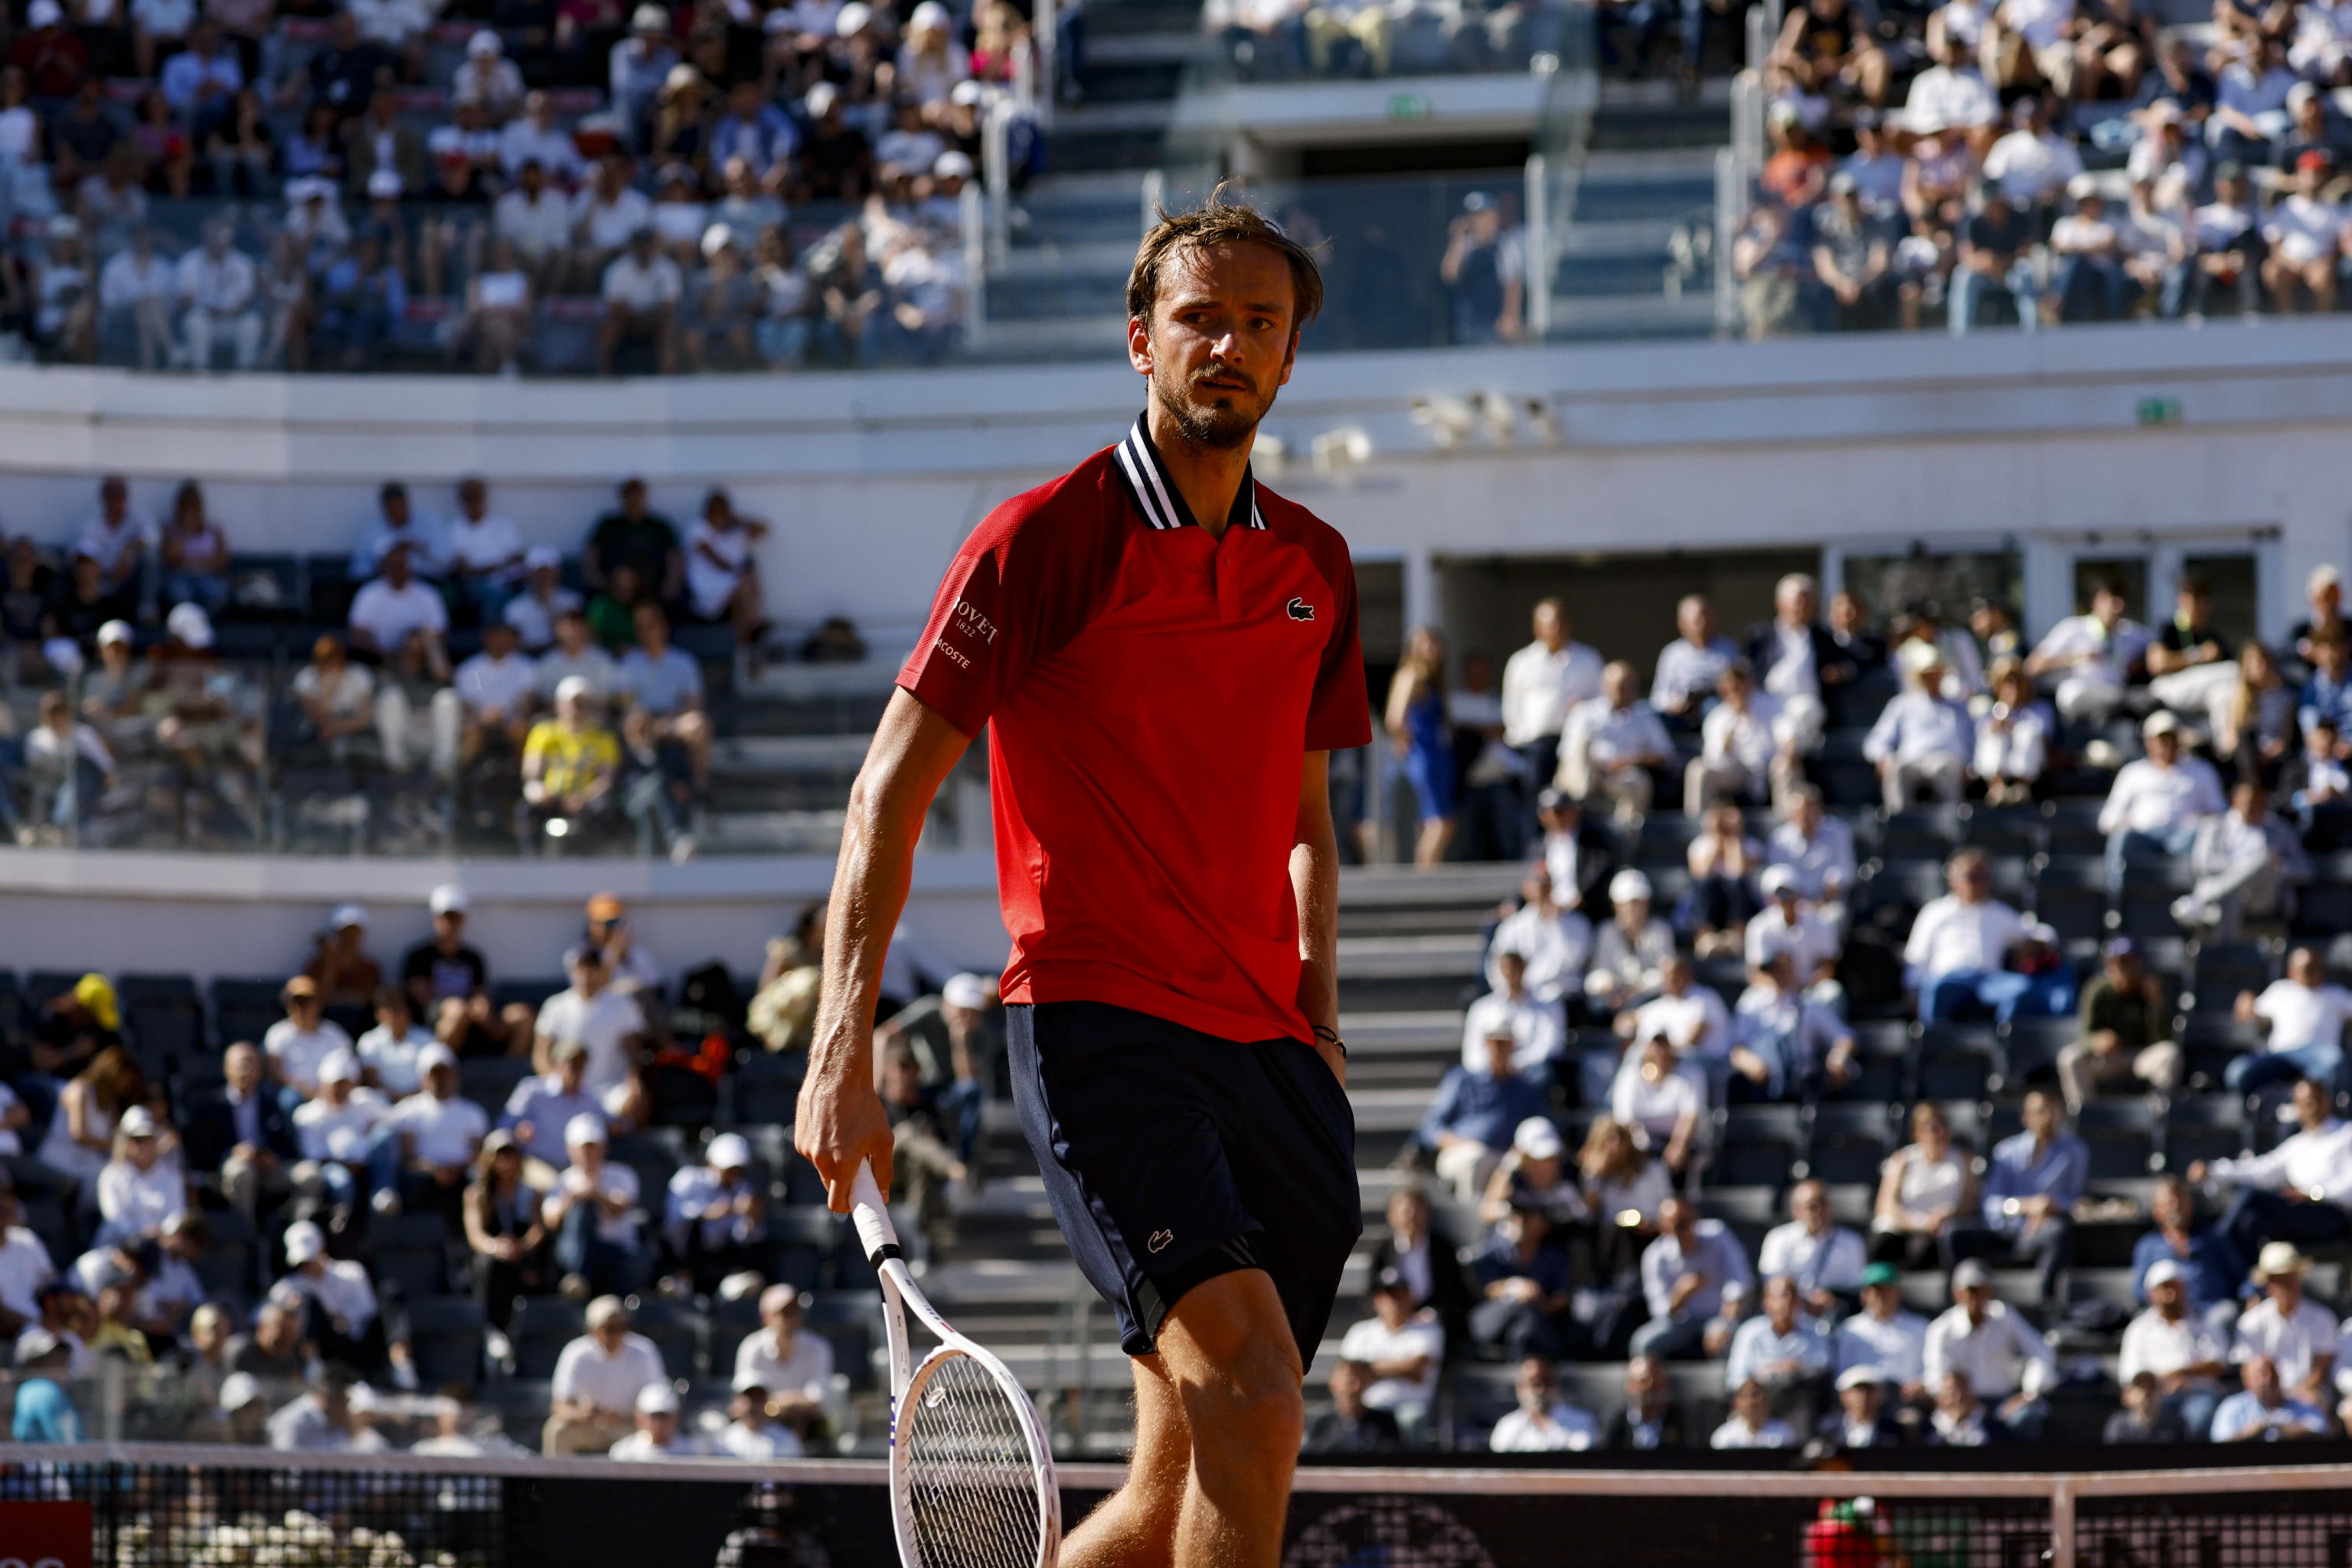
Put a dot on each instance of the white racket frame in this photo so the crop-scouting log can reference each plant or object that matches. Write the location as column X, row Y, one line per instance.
column 871, row 1214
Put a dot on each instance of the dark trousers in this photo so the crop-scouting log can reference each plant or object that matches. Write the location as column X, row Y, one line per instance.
column 610, row 1268
column 1517, row 1328
column 2255, row 1216
column 2051, row 1249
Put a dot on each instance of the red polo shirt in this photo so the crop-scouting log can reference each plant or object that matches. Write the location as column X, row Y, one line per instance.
column 1154, row 692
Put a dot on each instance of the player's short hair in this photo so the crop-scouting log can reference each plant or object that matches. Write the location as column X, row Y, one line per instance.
column 1220, row 222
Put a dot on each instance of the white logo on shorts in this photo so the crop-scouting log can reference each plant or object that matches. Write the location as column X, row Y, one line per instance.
column 1159, row 1240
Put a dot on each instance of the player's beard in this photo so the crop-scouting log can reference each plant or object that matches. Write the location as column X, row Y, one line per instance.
column 1203, row 424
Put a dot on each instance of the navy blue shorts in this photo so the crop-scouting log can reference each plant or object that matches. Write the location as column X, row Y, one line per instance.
column 1172, row 1156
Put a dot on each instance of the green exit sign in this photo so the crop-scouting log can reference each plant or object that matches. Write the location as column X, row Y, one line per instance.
column 2159, row 410
column 1408, row 106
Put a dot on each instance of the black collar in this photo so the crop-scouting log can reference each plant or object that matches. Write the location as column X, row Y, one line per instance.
column 1138, row 463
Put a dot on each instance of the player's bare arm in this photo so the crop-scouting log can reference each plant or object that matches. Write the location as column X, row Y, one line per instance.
column 839, row 1121
column 1315, row 879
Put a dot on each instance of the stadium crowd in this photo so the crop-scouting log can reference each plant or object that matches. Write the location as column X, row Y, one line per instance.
column 1663, row 1041
column 577, row 716
column 2033, row 162
column 326, row 1237
column 313, row 184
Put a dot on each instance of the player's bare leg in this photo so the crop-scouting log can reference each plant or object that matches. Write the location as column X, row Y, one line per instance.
column 1135, row 1526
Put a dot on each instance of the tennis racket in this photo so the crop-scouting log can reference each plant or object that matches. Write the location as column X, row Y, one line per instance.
column 971, row 1482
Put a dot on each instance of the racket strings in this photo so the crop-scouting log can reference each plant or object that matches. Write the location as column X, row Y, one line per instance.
column 972, row 1485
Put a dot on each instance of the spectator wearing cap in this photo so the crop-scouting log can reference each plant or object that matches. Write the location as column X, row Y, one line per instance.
column 1953, row 959
column 1924, row 739
column 2126, row 1031
column 2266, row 1410
column 1694, row 1277
column 1542, row 684
column 503, row 1229
column 1537, row 1027
column 141, row 1186
column 336, row 1303
column 542, row 598
column 1541, row 1422
column 1824, row 1259
column 2032, row 1184
column 1523, row 1288
column 2157, row 802
column 1790, row 924
column 1990, row 1344
column 242, row 1133
column 2087, row 246
column 1785, row 1349
column 2295, row 1334
column 487, row 78
column 751, row 1432
column 597, row 1380
column 2305, row 237
column 2298, row 1190
column 544, row 1104
column 1484, row 269
column 1818, row 849
column 437, row 1133
column 1631, row 950
column 1660, row 1101
column 1553, row 945
column 1886, row 1336
column 298, row 1042
column 346, row 975
column 657, row 1436
column 635, row 971
column 1401, row 1348
column 606, row 1023
column 570, row 763
column 2186, row 1355
column 388, row 1053
column 1862, row 1419
column 714, row 1218
column 592, row 1216
column 2245, row 861
column 1610, row 744
column 2092, row 658
column 1475, row 1113
column 2303, row 1016
column 240, row 1413
column 44, row 1412
column 447, row 985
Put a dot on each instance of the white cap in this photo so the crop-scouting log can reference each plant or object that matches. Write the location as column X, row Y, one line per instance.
column 485, row 42
column 2083, row 185
column 139, row 1122
column 1537, row 1138
column 821, row 99
column 436, row 1054
column 347, row 915
column 1628, row 887
column 44, row 13
column 339, row 1067
column 965, row 990
column 953, row 164
column 540, row 557
column 658, row 1399
column 309, row 188
column 716, row 238
column 383, row 185
column 1918, row 655
column 1864, row 1377
column 851, row 21
column 2322, row 577
column 2164, row 1271
column 2160, row 722
column 728, row 1151
column 968, row 92
column 1778, row 879
column 583, row 1128
column 114, row 631
column 449, row 899
column 304, row 1241
column 190, row 624
column 33, row 1343
column 2301, row 93
column 2042, row 931
column 573, row 688
column 649, row 19
column 239, row 1389
column 930, row 16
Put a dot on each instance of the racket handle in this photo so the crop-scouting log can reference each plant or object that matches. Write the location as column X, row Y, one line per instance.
column 870, row 1213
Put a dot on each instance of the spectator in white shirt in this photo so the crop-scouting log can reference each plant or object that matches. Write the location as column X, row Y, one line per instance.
column 2013, row 743
column 395, row 606
column 1780, row 1347
column 216, row 289
column 2002, row 1354
column 2156, row 803
column 1694, row 1277
column 439, row 1132
column 2304, row 1014
column 338, row 1305
column 1542, row 683
column 1539, row 1027
column 592, row 1213
column 1543, row 1423
column 1922, row 740
column 714, row 1215
column 2245, row 860
column 1743, row 750
column 297, row 1043
column 751, row 1432
column 2033, row 163
column 2091, row 657
column 1959, row 942
column 2265, row 1411
column 533, row 136
column 1886, row 1335
column 2298, row 1191
column 142, row 1185
column 606, row 1023
column 533, row 612
column 498, row 689
column 337, row 1133
column 2286, row 1328
column 1824, row 1258
column 2305, row 235
column 722, row 574
column 1554, row 946
column 1692, row 1018
column 1752, row 1424
column 1684, row 680
column 537, row 219
column 123, row 540
column 597, row 1380
column 1816, row 847
column 484, row 551
column 657, row 1436
column 389, row 1053
column 1788, row 1047
column 641, row 290
column 2186, row 1354
column 1790, row 924
column 1951, row 94
column 1404, row 1350
column 135, row 291
column 1610, row 744
column 1631, row 948
column 795, row 1367
column 1660, row 1101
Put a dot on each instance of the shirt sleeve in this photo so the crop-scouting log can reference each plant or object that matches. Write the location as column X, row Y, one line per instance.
column 1008, row 598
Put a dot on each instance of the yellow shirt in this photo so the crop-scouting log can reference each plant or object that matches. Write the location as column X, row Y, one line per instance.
column 572, row 760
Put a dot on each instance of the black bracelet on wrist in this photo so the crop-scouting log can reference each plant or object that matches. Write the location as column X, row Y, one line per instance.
column 1331, row 1036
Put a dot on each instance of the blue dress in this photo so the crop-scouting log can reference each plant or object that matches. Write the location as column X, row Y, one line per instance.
column 1429, row 757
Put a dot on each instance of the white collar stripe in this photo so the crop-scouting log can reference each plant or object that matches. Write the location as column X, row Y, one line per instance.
column 1171, row 509
column 1156, row 497
column 1133, row 470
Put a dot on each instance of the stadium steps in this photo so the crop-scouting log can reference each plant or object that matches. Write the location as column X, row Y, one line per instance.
column 1612, row 279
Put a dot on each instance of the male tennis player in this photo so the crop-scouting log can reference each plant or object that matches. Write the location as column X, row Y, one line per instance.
column 1166, row 651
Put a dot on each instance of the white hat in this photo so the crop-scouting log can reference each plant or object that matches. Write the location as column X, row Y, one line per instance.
column 1778, row 879
column 1629, row 887
column 746, row 1375
column 2042, row 931
column 449, row 899
column 2321, row 578
column 2160, row 722
column 2301, row 93
column 309, row 188
column 33, row 1343
column 823, row 95
column 346, row 915
column 2164, row 1271
column 1863, row 1376
column 2279, row 1257
column 339, row 1067
column 658, row 1399
column 237, row 1390
column 649, row 19
column 968, row 92
column 728, row 1151
column 1918, row 655
column 114, row 631
column 2083, row 185
column 1537, row 1138
column 44, row 13
column 436, row 1054
column 965, row 990
column 540, row 557
column 953, row 164
column 573, row 688
column 139, row 1122
column 190, row 624
column 383, row 185
column 583, row 1128
column 930, row 16
column 304, row 1241
column 716, row 238
column 851, row 21
column 485, row 42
